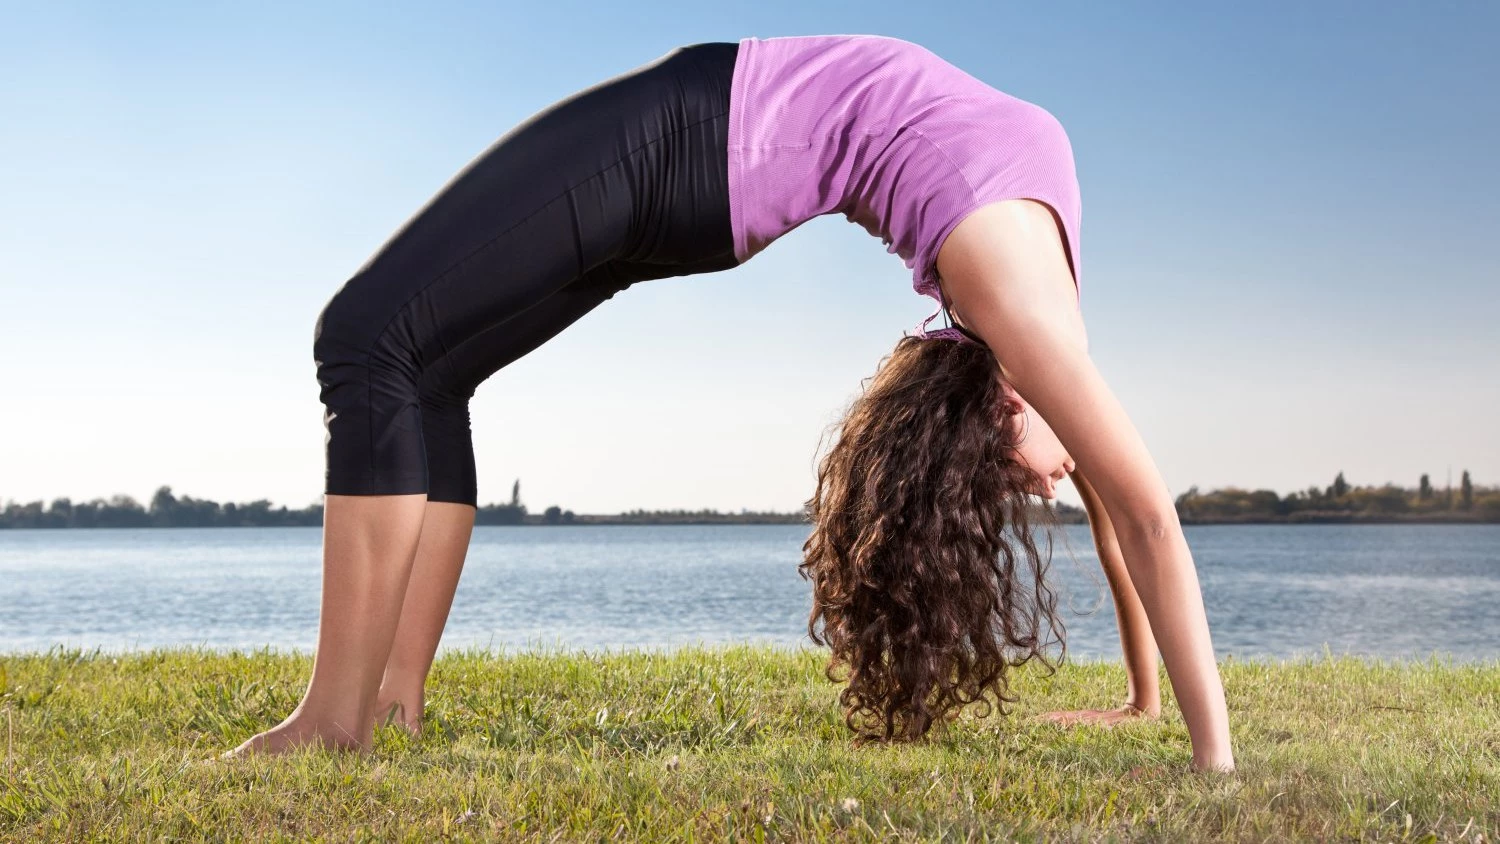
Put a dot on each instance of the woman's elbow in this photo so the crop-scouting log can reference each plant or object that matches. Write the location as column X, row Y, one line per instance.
column 1153, row 525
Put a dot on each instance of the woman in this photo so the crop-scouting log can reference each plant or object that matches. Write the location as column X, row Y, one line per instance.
column 694, row 163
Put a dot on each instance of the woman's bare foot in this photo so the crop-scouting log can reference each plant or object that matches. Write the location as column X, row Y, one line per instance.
column 292, row 733
column 393, row 711
column 1104, row 717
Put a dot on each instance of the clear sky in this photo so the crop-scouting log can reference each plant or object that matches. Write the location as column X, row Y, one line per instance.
column 1289, row 220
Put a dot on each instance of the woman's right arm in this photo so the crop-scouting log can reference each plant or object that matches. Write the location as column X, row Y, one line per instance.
column 1010, row 277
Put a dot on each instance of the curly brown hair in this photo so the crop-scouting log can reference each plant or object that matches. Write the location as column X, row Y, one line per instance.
column 925, row 572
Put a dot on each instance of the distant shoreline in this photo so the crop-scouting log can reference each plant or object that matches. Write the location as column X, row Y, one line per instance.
column 1065, row 519
column 1339, row 503
column 1352, row 518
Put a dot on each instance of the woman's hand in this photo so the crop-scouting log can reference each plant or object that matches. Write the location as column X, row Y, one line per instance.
column 1100, row 717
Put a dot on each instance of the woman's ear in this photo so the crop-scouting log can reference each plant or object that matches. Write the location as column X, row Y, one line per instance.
column 1011, row 404
column 1009, row 393
column 1013, row 412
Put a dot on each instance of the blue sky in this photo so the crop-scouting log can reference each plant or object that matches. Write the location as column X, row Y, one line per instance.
column 1289, row 213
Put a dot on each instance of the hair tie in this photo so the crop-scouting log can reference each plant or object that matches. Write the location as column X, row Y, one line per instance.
column 953, row 331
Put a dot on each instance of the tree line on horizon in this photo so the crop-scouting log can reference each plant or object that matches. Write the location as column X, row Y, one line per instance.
column 168, row 510
column 1337, row 502
column 1344, row 503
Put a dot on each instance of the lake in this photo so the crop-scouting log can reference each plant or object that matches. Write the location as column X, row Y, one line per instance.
column 1271, row 591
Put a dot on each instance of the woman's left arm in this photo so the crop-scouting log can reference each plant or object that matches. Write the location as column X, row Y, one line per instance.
column 1142, row 688
column 1138, row 646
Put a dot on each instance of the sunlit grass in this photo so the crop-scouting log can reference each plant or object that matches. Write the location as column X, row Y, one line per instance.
column 740, row 743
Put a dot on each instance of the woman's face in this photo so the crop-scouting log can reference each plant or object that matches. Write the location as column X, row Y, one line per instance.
column 1040, row 449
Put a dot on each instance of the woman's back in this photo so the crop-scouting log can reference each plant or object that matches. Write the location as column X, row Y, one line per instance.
column 888, row 134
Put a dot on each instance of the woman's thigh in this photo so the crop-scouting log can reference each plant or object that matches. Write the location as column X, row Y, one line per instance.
column 447, row 386
column 632, row 169
column 612, row 176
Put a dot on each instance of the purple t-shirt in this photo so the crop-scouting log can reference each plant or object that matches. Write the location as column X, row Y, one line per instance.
column 888, row 134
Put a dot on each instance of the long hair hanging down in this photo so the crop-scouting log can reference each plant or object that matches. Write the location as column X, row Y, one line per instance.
column 925, row 573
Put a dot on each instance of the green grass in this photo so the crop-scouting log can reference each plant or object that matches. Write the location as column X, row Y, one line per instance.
column 740, row 743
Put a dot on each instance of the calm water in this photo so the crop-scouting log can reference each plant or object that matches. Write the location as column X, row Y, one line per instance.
column 1270, row 590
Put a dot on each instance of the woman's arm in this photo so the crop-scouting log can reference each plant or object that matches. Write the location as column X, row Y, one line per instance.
column 1136, row 642
column 1004, row 265
column 1143, row 693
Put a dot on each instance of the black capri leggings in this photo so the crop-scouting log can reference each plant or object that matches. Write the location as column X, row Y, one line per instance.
column 624, row 181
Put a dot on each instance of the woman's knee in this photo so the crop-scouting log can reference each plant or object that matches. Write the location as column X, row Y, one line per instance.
column 372, row 420
column 449, row 442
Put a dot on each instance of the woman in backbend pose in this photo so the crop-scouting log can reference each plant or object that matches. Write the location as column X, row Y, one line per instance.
column 925, row 575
